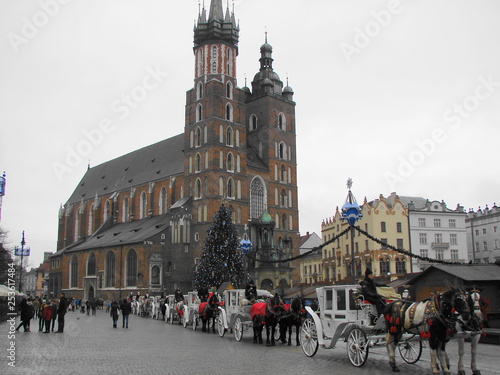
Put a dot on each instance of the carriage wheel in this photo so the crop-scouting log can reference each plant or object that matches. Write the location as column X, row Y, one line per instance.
column 220, row 326
column 195, row 322
column 357, row 347
column 238, row 329
column 309, row 337
column 410, row 350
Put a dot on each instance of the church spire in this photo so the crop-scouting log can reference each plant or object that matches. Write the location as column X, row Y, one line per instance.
column 216, row 11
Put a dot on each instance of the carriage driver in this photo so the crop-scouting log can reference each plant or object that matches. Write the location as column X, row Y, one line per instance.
column 203, row 293
column 369, row 289
column 179, row 297
column 251, row 291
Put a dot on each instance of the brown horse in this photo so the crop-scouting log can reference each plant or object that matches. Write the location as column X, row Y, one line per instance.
column 434, row 319
column 266, row 314
column 208, row 311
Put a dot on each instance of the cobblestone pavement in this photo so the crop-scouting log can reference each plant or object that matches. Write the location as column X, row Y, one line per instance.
column 90, row 345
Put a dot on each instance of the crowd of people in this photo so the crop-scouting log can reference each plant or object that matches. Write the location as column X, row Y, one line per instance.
column 46, row 311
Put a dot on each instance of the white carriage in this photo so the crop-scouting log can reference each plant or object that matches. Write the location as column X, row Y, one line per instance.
column 171, row 313
column 344, row 315
column 235, row 314
column 191, row 315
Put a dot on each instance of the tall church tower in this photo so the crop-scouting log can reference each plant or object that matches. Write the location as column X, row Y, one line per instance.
column 240, row 148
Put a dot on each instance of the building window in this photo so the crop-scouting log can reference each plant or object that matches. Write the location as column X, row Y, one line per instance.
column 143, row 206
column 230, row 162
column 73, row 272
column 400, row 266
column 384, row 243
column 230, row 188
column 229, row 112
column 281, row 121
column 496, row 244
column 197, row 165
column 229, row 136
column 438, row 237
column 439, row 254
column 131, row 268
column 199, row 91
column 91, row 265
column 199, row 113
column 198, row 189
column 453, row 239
column 452, row 223
column 424, row 253
column 484, row 230
column 110, row 269
column 495, row 229
column 257, row 198
column 400, row 244
column 382, row 226
column 399, row 227
column 421, row 221
column 366, row 245
column 454, row 254
column 107, row 210
column 282, row 151
column 437, row 223
column 155, row 275
column 253, row 122
column 477, row 232
column 423, row 238
column 384, row 266
column 485, row 245
column 229, row 90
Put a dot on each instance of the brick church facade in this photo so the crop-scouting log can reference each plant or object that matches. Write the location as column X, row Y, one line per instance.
column 137, row 224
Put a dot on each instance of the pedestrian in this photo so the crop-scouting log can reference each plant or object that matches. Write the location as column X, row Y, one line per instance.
column 26, row 314
column 61, row 312
column 55, row 306
column 41, row 319
column 126, row 308
column 47, row 316
column 115, row 312
column 88, row 307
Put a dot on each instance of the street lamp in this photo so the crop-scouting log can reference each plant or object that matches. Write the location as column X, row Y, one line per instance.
column 22, row 252
column 352, row 213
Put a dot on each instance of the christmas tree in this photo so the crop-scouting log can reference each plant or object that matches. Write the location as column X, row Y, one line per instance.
column 220, row 258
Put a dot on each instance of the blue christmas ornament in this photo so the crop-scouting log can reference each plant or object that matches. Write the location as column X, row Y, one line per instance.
column 351, row 210
column 245, row 246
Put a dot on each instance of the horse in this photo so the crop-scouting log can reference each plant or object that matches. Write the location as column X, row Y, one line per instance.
column 208, row 311
column 293, row 316
column 179, row 307
column 434, row 319
column 471, row 329
column 266, row 313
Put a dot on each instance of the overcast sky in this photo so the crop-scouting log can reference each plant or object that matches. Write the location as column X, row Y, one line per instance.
column 398, row 95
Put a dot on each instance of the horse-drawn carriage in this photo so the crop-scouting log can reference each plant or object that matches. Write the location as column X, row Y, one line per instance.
column 236, row 312
column 174, row 310
column 345, row 316
column 190, row 313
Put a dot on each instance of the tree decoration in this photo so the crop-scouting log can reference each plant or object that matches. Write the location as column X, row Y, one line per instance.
column 220, row 258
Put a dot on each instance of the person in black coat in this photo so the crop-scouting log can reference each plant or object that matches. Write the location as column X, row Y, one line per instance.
column 369, row 289
column 61, row 312
column 115, row 307
column 27, row 313
column 203, row 293
column 126, row 308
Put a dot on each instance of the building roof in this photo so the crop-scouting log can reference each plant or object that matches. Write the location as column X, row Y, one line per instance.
column 466, row 272
column 151, row 163
column 124, row 233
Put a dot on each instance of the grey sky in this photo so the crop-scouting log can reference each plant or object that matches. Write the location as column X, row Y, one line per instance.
column 400, row 96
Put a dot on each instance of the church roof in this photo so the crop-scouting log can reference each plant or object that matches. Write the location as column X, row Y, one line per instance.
column 125, row 233
column 151, row 163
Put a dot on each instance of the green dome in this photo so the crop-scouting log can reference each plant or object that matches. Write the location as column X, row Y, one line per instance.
column 266, row 218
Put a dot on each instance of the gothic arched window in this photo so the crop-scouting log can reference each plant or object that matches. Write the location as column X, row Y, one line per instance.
column 73, row 272
column 91, row 265
column 131, row 277
column 257, row 198
column 110, row 269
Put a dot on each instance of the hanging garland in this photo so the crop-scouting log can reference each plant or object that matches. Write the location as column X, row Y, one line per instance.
column 411, row 255
column 366, row 234
column 313, row 250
